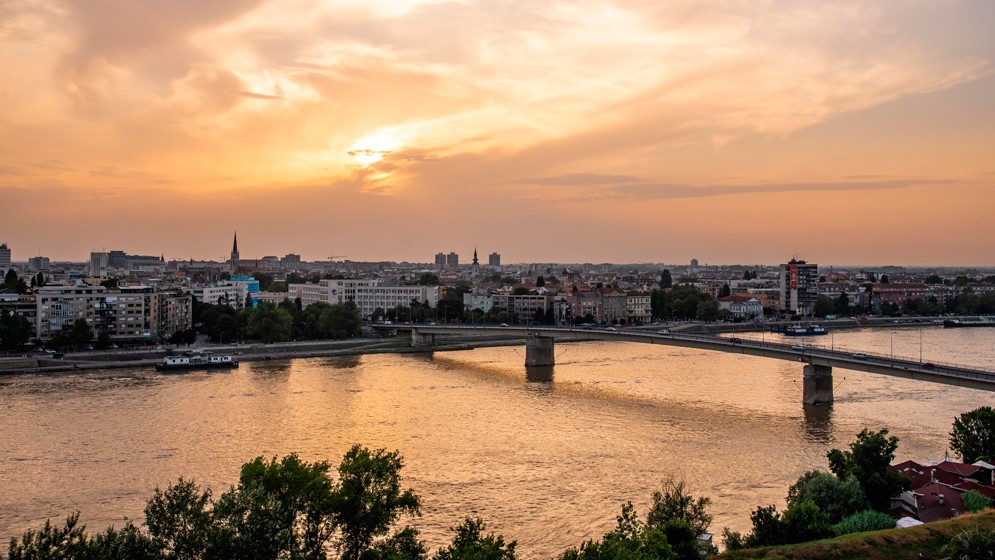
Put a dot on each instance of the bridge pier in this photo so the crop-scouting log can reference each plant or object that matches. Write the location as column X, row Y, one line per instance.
column 817, row 385
column 419, row 340
column 539, row 351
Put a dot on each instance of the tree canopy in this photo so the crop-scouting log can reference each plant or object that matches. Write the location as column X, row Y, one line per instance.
column 868, row 460
column 973, row 435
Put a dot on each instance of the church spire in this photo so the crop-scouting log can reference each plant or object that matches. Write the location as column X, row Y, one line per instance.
column 234, row 254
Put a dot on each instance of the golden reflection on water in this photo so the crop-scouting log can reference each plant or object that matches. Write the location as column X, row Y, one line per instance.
column 545, row 456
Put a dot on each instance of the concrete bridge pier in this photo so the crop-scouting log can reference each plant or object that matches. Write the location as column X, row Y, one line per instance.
column 419, row 340
column 817, row 386
column 539, row 351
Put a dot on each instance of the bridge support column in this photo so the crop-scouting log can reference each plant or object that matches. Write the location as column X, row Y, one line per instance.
column 539, row 351
column 419, row 340
column 817, row 386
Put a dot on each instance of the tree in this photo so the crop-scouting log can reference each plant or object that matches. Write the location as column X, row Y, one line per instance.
column 674, row 501
column 630, row 540
column 540, row 281
column 725, row 290
column 103, row 341
column 10, row 280
column 973, row 435
column 803, row 522
column 708, row 310
column 843, row 304
column 269, row 323
column 179, row 520
column 227, row 328
column 884, row 279
column 665, row 279
column 368, row 499
column 339, row 321
column 81, row 333
column 824, row 305
column 469, row 543
column 868, row 460
column 428, row 279
column 837, row 498
column 15, row 331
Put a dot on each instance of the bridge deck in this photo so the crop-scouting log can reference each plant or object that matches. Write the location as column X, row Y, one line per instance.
column 950, row 374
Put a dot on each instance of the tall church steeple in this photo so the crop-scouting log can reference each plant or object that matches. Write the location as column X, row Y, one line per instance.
column 476, row 264
column 234, row 254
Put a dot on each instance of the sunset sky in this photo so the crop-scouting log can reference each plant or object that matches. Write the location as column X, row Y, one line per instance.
column 736, row 131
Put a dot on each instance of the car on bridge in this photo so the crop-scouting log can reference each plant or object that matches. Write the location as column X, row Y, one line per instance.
column 859, row 356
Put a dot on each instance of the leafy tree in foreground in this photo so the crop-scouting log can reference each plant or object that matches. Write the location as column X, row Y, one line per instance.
column 973, row 435
column 81, row 333
column 179, row 520
column 630, row 540
column 470, row 543
column 674, row 501
column 838, row 498
column 868, row 460
column 369, row 498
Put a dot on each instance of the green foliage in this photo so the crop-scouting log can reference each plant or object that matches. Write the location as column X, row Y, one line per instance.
column 81, row 333
column 803, row 522
column 674, row 501
column 666, row 281
column 970, row 544
column 868, row 460
column 51, row 542
column 268, row 323
column 369, row 498
column 428, row 279
column 824, row 305
column 339, row 321
column 975, row 501
column 862, row 521
column 402, row 545
column 630, row 540
column 725, row 291
column 973, row 435
column 837, row 498
column 15, row 331
column 179, row 520
column 469, row 543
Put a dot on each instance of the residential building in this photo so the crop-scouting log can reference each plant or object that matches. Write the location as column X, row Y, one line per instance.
column 99, row 264
column 23, row 305
column 452, row 260
column 233, row 292
column 38, row 263
column 638, row 309
column 742, row 306
column 522, row 308
column 131, row 312
column 4, row 256
column 494, row 259
column 798, row 287
column 440, row 260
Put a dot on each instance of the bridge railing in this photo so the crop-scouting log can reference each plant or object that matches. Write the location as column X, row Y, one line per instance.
column 833, row 351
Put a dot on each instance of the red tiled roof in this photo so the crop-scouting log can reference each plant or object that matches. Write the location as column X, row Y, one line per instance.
column 961, row 469
column 936, row 502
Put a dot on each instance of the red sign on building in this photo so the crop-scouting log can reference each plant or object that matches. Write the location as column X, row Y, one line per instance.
column 794, row 277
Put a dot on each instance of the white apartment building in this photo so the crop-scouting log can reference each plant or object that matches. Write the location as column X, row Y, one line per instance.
column 367, row 294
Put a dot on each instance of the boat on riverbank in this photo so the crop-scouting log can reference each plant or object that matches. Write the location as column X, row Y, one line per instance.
column 196, row 361
column 805, row 330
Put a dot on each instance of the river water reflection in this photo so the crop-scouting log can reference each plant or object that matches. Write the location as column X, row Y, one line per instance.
column 546, row 458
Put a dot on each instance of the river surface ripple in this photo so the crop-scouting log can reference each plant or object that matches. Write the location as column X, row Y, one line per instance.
column 547, row 463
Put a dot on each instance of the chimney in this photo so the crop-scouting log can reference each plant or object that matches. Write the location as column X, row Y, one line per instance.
column 939, row 499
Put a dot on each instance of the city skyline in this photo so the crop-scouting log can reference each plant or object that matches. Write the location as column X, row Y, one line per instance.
column 858, row 133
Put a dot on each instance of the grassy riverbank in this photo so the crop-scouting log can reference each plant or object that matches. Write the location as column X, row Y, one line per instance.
column 913, row 543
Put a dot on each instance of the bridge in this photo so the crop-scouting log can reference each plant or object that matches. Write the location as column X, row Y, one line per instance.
column 817, row 387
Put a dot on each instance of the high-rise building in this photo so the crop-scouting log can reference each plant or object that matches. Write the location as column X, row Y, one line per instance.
column 452, row 260
column 494, row 259
column 99, row 262
column 440, row 260
column 799, row 287
column 39, row 263
column 4, row 256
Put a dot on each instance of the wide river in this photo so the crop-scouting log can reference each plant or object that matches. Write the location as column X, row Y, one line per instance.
column 547, row 463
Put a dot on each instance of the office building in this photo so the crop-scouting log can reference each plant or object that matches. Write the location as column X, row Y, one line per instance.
column 799, row 289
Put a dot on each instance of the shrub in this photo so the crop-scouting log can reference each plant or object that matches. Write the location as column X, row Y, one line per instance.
column 867, row 520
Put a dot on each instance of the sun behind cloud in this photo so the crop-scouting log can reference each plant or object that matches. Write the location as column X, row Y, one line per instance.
column 372, row 148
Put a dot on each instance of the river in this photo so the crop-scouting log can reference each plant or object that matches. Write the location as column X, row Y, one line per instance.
column 546, row 463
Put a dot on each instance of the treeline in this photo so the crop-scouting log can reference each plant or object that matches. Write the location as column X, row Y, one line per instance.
column 270, row 322
column 292, row 509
